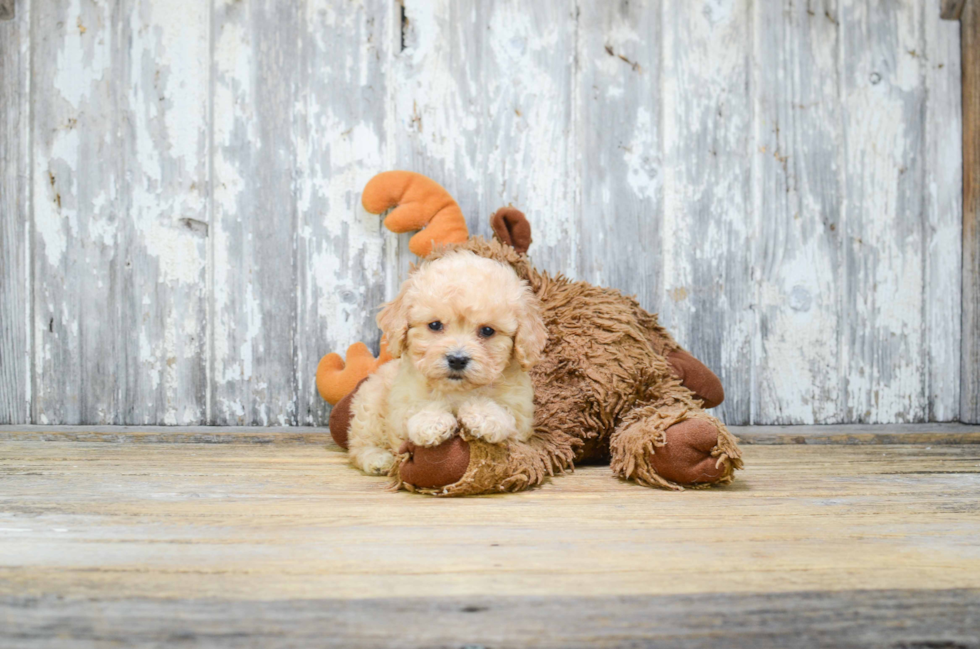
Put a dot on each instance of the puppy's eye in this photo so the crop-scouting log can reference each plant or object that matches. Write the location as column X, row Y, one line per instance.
column 486, row 332
column 435, row 325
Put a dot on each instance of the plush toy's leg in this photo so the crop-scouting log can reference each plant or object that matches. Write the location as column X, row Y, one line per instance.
column 696, row 377
column 340, row 417
column 464, row 466
column 693, row 374
column 672, row 443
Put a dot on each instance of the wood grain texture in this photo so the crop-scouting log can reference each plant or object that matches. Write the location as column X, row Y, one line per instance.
column 119, row 204
column 77, row 212
column 943, row 216
column 482, row 101
column 172, row 434
column 707, row 116
column 883, row 306
column 620, row 165
column 96, row 521
column 163, row 294
column 952, row 9
column 970, row 358
column 531, row 137
column 779, row 181
column 436, row 103
column 928, row 434
column 15, row 222
column 254, row 305
column 341, row 144
column 812, row 619
column 798, row 197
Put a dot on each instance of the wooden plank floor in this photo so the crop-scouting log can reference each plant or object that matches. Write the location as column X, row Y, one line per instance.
column 282, row 544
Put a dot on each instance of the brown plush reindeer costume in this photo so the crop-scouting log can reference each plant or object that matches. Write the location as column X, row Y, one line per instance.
column 612, row 384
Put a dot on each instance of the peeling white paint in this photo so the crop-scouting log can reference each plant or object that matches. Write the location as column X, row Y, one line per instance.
column 643, row 174
column 81, row 49
column 633, row 115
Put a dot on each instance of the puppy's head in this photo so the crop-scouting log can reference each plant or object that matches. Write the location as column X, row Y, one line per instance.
column 461, row 320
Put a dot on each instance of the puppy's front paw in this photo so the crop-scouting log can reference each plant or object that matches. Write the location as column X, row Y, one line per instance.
column 373, row 461
column 431, row 427
column 487, row 420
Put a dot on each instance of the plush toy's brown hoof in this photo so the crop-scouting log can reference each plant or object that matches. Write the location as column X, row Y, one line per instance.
column 340, row 417
column 435, row 466
column 696, row 377
column 686, row 457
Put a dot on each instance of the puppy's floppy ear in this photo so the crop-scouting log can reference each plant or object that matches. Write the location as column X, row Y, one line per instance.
column 393, row 321
column 531, row 336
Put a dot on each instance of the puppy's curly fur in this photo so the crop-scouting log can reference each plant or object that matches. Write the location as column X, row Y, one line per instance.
column 464, row 331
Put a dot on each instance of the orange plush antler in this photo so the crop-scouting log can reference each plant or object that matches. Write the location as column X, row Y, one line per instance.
column 335, row 379
column 422, row 204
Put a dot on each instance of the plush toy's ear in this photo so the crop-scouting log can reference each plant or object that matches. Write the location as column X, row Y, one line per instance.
column 531, row 336
column 512, row 227
column 420, row 204
column 393, row 321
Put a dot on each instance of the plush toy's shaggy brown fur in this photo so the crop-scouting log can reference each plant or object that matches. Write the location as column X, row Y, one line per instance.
column 612, row 385
column 604, row 389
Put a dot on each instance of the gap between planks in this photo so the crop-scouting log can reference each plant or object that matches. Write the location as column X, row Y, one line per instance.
column 848, row 434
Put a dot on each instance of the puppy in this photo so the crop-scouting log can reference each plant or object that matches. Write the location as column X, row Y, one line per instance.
column 463, row 331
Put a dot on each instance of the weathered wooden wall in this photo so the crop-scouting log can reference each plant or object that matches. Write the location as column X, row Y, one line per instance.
column 182, row 237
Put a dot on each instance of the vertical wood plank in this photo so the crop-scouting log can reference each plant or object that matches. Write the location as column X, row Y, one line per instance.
column 161, row 249
column 77, row 173
column 15, row 297
column 527, row 123
column 797, row 213
column 707, row 114
column 970, row 46
column 118, row 192
column 618, row 125
column 943, row 205
column 254, row 312
column 340, row 115
column 883, row 107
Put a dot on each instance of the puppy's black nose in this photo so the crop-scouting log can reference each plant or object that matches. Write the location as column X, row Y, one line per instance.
column 457, row 362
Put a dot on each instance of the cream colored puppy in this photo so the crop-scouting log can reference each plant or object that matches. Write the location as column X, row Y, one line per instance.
column 464, row 330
